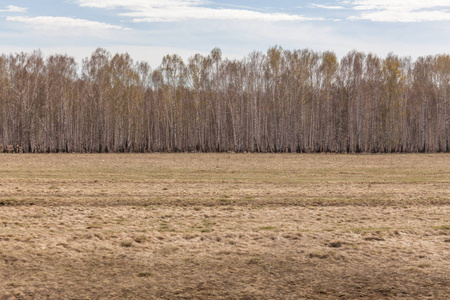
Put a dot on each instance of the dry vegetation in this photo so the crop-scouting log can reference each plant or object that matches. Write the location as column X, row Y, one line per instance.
column 280, row 101
column 235, row 226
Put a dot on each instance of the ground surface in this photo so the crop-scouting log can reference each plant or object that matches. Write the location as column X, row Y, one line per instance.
column 230, row 226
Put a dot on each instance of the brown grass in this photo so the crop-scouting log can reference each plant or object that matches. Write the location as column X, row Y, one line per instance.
column 229, row 226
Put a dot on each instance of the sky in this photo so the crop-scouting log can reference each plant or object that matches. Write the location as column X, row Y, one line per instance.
column 150, row 29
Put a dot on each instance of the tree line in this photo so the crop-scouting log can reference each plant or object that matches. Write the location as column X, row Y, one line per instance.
column 278, row 101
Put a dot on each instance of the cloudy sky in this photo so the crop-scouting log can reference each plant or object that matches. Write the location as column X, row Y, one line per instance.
column 149, row 29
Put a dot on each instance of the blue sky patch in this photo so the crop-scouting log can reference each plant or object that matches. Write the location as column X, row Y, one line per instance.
column 149, row 29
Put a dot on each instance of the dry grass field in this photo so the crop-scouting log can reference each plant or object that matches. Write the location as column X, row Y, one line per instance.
column 224, row 226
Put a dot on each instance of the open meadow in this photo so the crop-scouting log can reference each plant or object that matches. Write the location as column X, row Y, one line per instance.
column 227, row 226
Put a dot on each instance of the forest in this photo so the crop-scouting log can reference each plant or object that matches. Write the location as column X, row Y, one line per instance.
column 278, row 101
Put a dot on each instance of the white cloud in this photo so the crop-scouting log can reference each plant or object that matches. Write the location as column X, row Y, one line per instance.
column 180, row 10
column 333, row 7
column 401, row 10
column 62, row 22
column 403, row 16
column 411, row 5
column 13, row 8
column 203, row 13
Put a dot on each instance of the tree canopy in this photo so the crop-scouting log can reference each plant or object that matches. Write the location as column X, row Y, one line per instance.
column 278, row 101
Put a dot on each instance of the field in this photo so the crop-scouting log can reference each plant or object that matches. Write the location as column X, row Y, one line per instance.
column 227, row 226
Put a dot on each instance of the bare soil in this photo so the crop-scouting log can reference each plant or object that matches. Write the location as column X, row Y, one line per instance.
column 224, row 226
